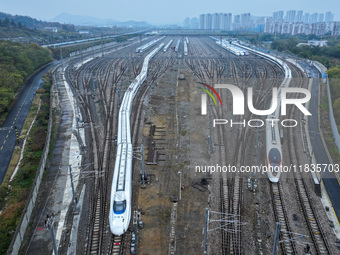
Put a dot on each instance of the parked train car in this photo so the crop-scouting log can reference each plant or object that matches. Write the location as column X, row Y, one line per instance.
column 228, row 48
column 149, row 44
column 167, row 46
column 185, row 48
column 177, row 45
column 88, row 40
column 245, row 52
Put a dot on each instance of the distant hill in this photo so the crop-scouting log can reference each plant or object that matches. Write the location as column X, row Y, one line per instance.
column 28, row 21
column 67, row 21
column 133, row 23
column 92, row 21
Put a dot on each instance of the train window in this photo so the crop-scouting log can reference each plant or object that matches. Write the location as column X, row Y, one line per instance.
column 119, row 206
column 274, row 156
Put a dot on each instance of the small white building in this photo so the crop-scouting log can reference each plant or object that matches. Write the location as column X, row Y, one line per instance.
column 320, row 43
column 51, row 29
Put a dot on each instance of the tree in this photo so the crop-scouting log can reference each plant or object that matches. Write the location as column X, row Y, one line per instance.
column 305, row 54
column 336, row 110
column 334, row 72
column 6, row 22
column 17, row 62
column 13, row 24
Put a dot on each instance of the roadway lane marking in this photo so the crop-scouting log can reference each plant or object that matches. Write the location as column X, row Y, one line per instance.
column 4, row 141
column 6, row 136
column 1, row 148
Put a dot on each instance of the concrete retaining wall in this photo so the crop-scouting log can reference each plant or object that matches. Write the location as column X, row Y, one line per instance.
column 334, row 127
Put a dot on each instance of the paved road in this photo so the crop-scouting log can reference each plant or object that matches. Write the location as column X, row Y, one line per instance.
column 329, row 178
column 16, row 118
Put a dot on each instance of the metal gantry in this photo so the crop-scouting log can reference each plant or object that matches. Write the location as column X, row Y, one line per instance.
column 180, row 185
column 138, row 154
column 224, row 220
column 73, row 192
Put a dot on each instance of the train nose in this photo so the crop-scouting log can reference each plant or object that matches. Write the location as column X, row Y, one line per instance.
column 117, row 230
column 118, row 227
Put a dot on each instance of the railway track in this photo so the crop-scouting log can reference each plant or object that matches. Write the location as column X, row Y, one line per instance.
column 108, row 72
column 81, row 83
column 240, row 70
column 316, row 232
column 287, row 246
column 101, row 127
column 99, row 107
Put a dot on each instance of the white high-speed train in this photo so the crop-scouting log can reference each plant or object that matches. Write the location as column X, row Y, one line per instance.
column 185, row 48
column 273, row 149
column 121, row 189
column 177, row 45
column 228, row 47
column 145, row 46
column 273, row 143
column 167, row 46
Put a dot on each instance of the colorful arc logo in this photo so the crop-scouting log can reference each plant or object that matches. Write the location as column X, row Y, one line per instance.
column 215, row 92
column 204, row 97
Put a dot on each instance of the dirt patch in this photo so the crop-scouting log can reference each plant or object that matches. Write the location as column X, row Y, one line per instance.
column 181, row 140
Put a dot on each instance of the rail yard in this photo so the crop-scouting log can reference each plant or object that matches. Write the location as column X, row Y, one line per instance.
column 151, row 199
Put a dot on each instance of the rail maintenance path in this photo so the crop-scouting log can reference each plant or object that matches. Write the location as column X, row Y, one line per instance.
column 16, row 118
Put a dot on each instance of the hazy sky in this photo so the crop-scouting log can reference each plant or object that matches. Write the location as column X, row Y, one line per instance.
column 158, row 11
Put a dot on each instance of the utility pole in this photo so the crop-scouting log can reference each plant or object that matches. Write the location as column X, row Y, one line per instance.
column 78, row 120
column 93, row 82
column 206, row 230
column 180, row 185
column 73, row 193
column 102, row 45
column 221, row 46
column 49, row 223
column 276, row 237
column 311, row 154
column 257, row 159
column 79, row 137
column 118, row 96
column 61, row 58
column 82, row 53
column 211, row 147
column 143, row 170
